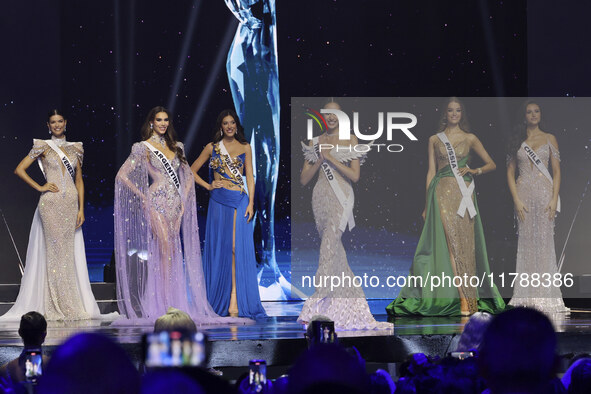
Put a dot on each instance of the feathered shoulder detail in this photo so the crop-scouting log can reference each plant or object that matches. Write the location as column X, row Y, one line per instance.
column 343, row 154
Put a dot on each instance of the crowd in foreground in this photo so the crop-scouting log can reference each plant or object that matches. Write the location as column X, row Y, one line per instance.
column 513, row 352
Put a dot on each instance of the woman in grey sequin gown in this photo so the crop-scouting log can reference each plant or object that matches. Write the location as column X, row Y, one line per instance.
column 536, row 199
column 55, row 281
column 345, row 305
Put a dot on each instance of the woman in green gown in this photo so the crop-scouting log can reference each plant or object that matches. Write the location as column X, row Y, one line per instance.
column 452, row 241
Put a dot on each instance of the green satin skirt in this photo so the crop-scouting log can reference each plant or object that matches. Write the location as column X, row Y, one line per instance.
column 432, row 258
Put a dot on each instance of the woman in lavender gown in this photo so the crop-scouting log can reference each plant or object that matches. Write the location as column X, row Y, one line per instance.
column 535, row 195
column 156, row 233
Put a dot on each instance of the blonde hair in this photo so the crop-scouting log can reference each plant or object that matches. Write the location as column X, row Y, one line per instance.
column 174, row 320
column 474, row 331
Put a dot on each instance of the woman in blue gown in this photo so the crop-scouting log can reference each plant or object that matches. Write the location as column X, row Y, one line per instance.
column 229, row 262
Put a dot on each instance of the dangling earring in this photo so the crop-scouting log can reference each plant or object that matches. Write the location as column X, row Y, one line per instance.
column 49, row 131
column 65, row 129
column 151, row 126
column 221, row 133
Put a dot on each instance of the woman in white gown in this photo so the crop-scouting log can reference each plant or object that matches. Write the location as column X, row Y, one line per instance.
column 345, row 305
column 55, row 281
column 535, row 195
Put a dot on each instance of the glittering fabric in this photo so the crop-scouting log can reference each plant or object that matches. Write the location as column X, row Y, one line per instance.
column 345, row 305
column 58, row 214
column 218, row 166
column 155, row 268
column 459, row 231
column 535, row 245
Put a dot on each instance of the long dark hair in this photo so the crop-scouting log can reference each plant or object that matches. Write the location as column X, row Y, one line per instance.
column 520, row 129
column 217, row 136
column 55, row 112
column 464, row 124
column 170, row 136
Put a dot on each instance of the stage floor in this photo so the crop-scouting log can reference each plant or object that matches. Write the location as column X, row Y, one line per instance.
column 281, row 323
column 279, row 338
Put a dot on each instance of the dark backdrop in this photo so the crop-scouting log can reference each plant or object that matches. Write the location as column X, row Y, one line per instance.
column 108, row 62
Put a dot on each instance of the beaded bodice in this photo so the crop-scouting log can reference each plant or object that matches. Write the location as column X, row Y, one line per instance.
column 217, row 164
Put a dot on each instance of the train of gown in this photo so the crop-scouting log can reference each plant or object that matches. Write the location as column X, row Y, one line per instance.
column 345, row 305
column 31, row 296
column 432, row 258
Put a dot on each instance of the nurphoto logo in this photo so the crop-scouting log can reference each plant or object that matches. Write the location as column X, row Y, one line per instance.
column 392, row 125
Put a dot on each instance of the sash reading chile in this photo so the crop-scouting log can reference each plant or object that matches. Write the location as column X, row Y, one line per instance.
column 533, row 156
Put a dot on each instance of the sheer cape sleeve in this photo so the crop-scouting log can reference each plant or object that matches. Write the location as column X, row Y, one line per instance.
column 131, row 230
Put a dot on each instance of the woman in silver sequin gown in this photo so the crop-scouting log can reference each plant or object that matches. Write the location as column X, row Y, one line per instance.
column 535, row 198
column 55, row 282
column 345, row 305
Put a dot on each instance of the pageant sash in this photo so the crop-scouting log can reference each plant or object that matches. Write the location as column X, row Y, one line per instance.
column 65, row 161
column 533, row 157
column 346, row 202
column 167, row 166
column 228, row 162
column 466, row 203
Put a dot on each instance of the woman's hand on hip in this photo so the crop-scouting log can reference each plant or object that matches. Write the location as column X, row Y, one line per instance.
column 49, row 187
